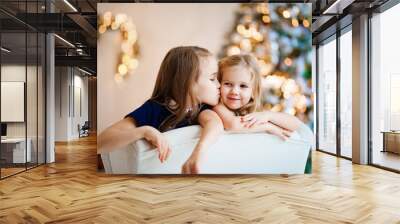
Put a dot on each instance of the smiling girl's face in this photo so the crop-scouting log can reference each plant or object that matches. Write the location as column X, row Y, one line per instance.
column 236, row 87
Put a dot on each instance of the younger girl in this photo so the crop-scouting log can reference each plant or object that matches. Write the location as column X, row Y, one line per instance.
column 187, row 80
column 240, row 103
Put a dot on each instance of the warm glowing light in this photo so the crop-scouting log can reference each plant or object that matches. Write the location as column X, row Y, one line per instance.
column 245, row 44
column 247, row 18
column 258, row 37
column 276, row 108
column 265, row 10
column 253, row 30
column 300, row 103
column 259, row 8
column 266, row 69
column 233, row 50
column 107, row 18
column 248, row 32
column 122, row 27
column 122, row 69
column 289, row 88
column 262, row 8
column 241, row 29
column 133, row 63
column 130, row 26
column 236, row 38
column 128, row 61
column 266, row 19
column 114, row 25
column 273, row 81
column 286, row 14
column 292, row 111
column 132, row 36
column 288, row 61
column 295, row 22
column 126, row 58
column 120, row 18
column 102, row 29
column 306, row 23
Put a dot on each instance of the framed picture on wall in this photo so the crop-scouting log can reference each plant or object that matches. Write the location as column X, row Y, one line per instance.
column 12, row 101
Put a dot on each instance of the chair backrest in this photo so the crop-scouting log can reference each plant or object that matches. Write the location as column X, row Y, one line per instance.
column 244, row 153
column 86, row 125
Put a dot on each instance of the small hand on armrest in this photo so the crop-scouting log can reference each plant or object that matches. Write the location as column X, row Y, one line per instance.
column 270, row 122
column 154, row 137
column 125, row 132
column 280, row 119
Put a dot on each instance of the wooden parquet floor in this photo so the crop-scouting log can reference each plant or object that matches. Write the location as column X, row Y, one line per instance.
column 72, row 191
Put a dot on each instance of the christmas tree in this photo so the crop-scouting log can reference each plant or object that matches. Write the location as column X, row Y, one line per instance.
column 279, row 36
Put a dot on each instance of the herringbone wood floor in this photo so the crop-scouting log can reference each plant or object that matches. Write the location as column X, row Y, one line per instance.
column 72, row 191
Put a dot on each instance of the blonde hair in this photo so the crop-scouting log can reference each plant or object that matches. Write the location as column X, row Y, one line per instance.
column 179, row 69
column 249, row 62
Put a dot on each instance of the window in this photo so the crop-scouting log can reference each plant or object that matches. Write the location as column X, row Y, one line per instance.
column 385, row 89
column 327, row 96
column 346, row 94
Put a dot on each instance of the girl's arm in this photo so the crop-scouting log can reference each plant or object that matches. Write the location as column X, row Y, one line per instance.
column 234, row 124
column 212, row 128
column 125, row 131
column 229, row 119
column 283, row 120
column 266, row 127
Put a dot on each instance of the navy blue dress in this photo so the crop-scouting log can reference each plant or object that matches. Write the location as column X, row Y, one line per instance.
column 153, row 113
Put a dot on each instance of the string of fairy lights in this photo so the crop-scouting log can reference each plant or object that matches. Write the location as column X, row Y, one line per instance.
column 128, row 60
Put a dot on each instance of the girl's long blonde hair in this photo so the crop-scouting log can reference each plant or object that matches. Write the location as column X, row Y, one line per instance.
column 249, row 62
column 179, row 70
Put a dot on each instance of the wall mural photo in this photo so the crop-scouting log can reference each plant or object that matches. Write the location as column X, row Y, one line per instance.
column 215, row 89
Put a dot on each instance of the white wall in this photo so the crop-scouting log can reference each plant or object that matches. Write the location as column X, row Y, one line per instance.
column 61, row 103
column 160, row 27
column 67, row 80
column 80, row 83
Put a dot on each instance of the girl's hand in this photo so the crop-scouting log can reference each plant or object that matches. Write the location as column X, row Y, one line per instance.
column 278, row 131
column 254, row 119
column 158, row 140
column 191, row 166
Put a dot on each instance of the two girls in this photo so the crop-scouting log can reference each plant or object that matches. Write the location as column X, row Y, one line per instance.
column 185, row 89
column 186, row 84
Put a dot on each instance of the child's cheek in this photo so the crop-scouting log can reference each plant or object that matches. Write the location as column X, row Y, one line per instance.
column 223, row 92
